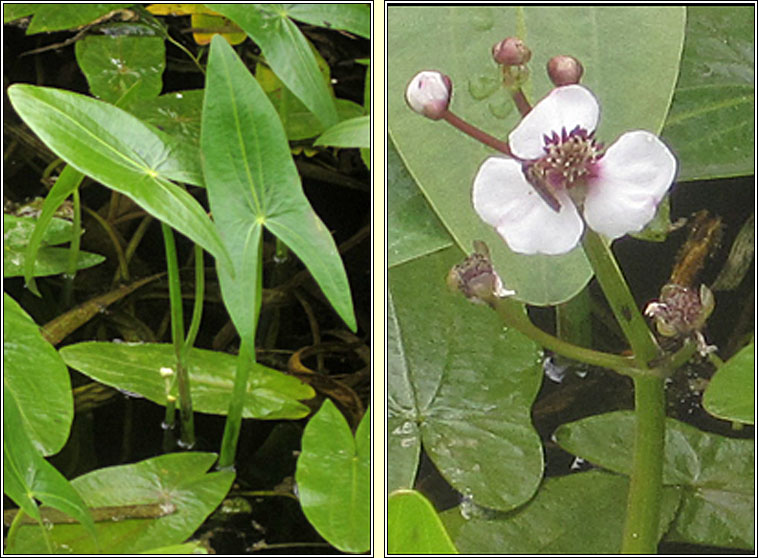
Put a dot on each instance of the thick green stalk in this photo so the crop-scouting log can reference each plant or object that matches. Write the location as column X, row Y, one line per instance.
column 643, row 507
column 245, row 362
column 187, row 438
column 646, row 482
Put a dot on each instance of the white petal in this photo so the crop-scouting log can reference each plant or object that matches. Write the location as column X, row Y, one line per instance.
column 564, row 107
column 504, row 199
column 634, row 175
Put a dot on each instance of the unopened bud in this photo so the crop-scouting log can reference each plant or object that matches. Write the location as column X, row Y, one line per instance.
column 429, row 94
column 564, row 70
column 511, row 52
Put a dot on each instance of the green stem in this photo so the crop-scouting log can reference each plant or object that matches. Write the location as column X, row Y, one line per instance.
column 245, row 362
column 73, row 253
column 197, row 309
column 187, row 438
column 620, row 299
column 645, row 486
column 646, row 481
column 513, row 315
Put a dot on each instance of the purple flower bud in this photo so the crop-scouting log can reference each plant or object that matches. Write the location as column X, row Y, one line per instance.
column 564, row 70
column 511, row 52
column 429, row 94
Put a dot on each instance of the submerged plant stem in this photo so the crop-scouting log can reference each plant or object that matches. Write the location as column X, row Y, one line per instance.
column 177, row 335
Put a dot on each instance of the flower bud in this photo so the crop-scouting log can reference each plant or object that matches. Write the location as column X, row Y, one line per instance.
column 511, row 52
column 429, row 94
column 564, row 70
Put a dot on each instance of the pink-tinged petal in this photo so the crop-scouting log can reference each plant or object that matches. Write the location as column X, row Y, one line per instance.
column 504, row 199
column 564, row 107
column 633, row 176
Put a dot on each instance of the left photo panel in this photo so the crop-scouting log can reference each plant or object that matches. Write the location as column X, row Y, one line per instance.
column 187, row 278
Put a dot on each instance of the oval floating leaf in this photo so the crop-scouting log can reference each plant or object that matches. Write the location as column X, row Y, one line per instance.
column 334, row 478
column 136, row 368
column 120, row 65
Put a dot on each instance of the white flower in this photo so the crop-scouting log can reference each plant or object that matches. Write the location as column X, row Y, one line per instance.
column 534, row 199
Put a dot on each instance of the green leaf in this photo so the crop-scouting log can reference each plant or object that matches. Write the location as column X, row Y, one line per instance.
column 252, row 182
column 12, row 12
column 116, row 149
column 632, row 74
column 463, row 385
column 177, row 114
column 287, row 52
column 711, row 122
column 17, row 232
column 193, row 547
column 715, row 473
column 300, row 123
column 404, row 438
column 178, row 479
column 334, row 478
column 37, row 379
column 355, row 18
column 580, row 514
column 27, row 475
column 56, row 17
column 136, row 368
column 414, row 229
column 119, row 65
column 413, row 526
column 730, row 395
column 68, row 181
column 354, row 132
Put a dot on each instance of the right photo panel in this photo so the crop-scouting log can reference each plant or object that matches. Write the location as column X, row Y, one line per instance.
column 571, row 280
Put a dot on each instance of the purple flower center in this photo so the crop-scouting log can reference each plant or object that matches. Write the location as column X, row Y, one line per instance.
column 570, row 158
